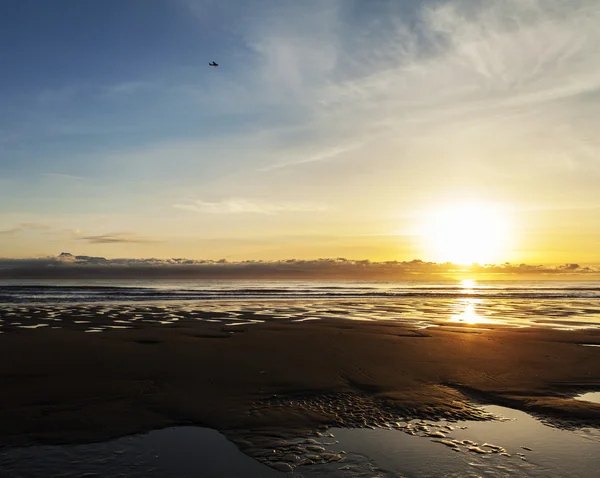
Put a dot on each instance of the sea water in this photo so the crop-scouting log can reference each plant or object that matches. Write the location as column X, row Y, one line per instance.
column 557, row 304
column 531, row 449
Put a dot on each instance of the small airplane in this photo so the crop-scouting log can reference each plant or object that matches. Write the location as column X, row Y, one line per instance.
column 213, row 64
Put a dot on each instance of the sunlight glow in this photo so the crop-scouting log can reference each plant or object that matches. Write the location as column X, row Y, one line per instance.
column 465, row 234
column 467, row 284
column 468, row 314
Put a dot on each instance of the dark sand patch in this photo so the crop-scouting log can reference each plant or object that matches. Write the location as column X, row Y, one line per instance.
column 147, row 341
column 213, row 335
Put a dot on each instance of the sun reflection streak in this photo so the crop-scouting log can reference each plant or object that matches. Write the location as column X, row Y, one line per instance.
column 467, row 284
column 468, row 314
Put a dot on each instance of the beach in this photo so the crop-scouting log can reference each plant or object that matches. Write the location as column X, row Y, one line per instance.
column 63, row 384
column 82, row 373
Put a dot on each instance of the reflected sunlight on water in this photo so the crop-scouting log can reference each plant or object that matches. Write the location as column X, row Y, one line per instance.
column 468, row 314
column 530, row 449
column 515, row 445
column 467, row 283
column 593, row 397
column 131, row 304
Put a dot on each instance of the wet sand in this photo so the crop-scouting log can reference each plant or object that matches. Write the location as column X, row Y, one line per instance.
column 280, row 378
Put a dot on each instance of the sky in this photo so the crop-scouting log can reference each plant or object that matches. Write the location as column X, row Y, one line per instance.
column 380, row 130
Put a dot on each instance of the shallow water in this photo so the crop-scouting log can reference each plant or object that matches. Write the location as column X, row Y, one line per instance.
column 593, row 397
column 535, row 450
column 556, row 304
column 530, row 449
column 179, row 451
column 562, row 314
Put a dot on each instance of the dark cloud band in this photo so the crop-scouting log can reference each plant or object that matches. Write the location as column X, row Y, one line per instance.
column 68, row 266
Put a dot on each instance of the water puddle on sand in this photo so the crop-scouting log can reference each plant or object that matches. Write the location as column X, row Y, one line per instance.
column 178, row 452
column 593, row 397
column 518, row 446
column 531, row 450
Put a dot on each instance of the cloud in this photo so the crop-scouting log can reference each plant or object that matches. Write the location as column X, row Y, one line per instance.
column 126, row 88
column 67, row 265
column 430, row 86
column 322, row 156
column 243, row 206
column 458, row 61
column 63, row 177
column 25, row 226
column 116, row 238
column 500, row 54
column 10, row 231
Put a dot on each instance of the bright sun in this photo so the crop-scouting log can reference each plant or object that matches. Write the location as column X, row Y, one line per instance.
column 464, row 234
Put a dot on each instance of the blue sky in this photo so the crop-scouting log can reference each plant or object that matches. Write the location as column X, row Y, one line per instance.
column 91, row 77
column 329, row 128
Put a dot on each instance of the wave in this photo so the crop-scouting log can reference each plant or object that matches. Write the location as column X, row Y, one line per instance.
column 229, row 291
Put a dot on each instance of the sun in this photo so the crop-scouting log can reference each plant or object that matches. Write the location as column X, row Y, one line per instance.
column 465, row 234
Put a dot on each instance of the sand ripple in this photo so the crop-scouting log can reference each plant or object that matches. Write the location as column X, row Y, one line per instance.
column 355, row 410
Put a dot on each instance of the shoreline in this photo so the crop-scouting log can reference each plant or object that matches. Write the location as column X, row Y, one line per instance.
column 65, row 386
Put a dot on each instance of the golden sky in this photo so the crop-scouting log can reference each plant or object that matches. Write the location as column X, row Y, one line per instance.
column 452, row 130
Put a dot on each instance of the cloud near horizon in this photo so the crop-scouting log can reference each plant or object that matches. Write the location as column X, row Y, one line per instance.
column 67, row 265
column 116, row 238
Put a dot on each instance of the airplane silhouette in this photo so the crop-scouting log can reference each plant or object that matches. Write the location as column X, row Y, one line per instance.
column 213, row 64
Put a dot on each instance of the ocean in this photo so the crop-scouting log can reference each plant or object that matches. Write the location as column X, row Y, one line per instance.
column 36, row 291
column 560, row 304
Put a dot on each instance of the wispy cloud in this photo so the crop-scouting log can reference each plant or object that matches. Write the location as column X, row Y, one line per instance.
column 11, row 231
column 481, row 54
column 25, row 226
column 242, row 206
column 126, row 88
column 470, row 70
column 116, row 238
column 322, row 156
column 63, row 176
